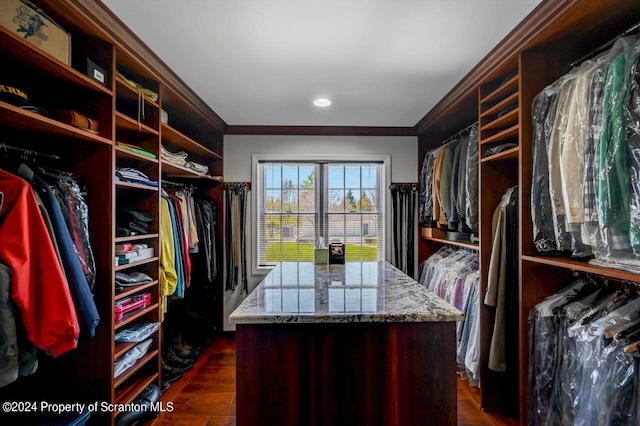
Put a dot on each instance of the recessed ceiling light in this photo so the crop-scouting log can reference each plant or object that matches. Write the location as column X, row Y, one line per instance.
column 321, row 102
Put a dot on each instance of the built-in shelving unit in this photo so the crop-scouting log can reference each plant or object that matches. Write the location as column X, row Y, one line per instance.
column 124, row 115
column 499, row 93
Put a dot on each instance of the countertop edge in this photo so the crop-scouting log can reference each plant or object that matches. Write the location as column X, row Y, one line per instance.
column 343, row 319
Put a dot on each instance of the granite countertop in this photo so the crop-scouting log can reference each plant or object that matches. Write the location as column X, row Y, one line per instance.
column 301, row 292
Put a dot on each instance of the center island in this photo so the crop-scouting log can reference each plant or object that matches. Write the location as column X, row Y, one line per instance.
column 354, row 344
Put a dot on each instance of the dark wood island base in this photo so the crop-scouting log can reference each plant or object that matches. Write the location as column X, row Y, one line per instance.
column 346, row 374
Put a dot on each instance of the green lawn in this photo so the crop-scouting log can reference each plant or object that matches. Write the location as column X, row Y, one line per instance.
column 288, row 251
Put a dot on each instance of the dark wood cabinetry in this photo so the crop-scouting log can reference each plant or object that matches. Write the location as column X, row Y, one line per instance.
column 124, row 115
column 498, row 93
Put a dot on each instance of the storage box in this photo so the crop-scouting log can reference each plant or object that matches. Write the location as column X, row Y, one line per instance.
column 22, row 19
column 97, row 73
column 432, row 233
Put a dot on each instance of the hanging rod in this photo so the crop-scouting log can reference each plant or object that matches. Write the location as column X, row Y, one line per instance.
column 8, row 148
column 402, row 186
column 605, row 46
column 460, row 133
column 237, row 185
column 606, row 281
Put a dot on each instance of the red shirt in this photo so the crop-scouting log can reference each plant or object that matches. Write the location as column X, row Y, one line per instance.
column 38, row 285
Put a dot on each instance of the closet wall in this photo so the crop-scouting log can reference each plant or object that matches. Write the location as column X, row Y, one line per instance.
column 237, row 157
column 124, row 115
column 540, row 49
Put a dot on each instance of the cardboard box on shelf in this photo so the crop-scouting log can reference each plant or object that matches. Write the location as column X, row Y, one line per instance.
column 432, row 233
column 23, row 19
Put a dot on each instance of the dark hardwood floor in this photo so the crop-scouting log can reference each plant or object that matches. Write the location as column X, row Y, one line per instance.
column 205, row 395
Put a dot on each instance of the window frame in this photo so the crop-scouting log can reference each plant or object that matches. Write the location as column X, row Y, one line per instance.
column 256, row 159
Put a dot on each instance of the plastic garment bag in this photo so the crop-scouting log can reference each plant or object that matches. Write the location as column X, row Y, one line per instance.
column 544, row 104
column 558, row 124
column 632, row 116
column 425, row 196
column 471, row 181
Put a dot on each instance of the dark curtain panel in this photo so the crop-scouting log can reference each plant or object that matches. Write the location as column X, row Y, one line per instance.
column 403, row 215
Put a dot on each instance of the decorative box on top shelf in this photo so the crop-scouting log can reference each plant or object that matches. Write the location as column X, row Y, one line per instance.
column 34, row 26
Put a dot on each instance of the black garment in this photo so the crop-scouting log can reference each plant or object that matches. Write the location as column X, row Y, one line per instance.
column 425, row 197
column 511, row 405
column 471, row 181
column 203, row 298
column 461, row 195
column 453, row 217
column 544, row 105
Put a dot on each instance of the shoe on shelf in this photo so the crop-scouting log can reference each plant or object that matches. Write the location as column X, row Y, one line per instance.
column 169, row 374
column 171, row 358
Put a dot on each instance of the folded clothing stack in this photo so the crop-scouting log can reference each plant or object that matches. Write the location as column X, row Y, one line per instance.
column 129, row 174
column 136, row 149
column 200, row 168
column 177, row 158
column 130, row 279
column 127, row 360
column 133, row 220
column 180, row 159
column 137, row 333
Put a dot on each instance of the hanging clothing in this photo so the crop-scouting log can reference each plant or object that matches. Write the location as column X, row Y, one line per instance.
column 579, row 372
column 454, row 276
column 425, row 197
column 471, row 180
column 168, row 273
column 236, row 237
column 614, row 190
column 500, row 282
column 403, row 200
column 86, row 310
column 38, row 286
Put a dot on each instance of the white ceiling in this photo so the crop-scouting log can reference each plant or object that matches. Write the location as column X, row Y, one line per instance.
column 262, row 62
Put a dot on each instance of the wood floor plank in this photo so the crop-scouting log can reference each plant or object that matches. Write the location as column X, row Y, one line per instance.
column 205, row 395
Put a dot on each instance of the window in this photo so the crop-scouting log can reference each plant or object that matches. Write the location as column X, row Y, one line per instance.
column 297, row 202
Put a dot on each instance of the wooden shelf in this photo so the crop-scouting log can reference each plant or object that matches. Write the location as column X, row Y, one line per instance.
column 501, row 136
column 25, row 52
column 28, row 121
column 508, row 87
column 125, row 122
column 500, row 105
column 136, row 238
column 509, row 154
column 582, row 266
column 123, row 89
column 173, row 170
column 507, row 120
column 129, row 392
column 131, row 316
column 464, row 244
column 122, row 348
column 125, row 153
column 135, row 367
column 134, row 264
column 135, row 289
column 136, row 186
column 183, row 142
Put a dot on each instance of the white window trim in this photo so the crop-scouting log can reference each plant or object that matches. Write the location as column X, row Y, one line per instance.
column 257, row 158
